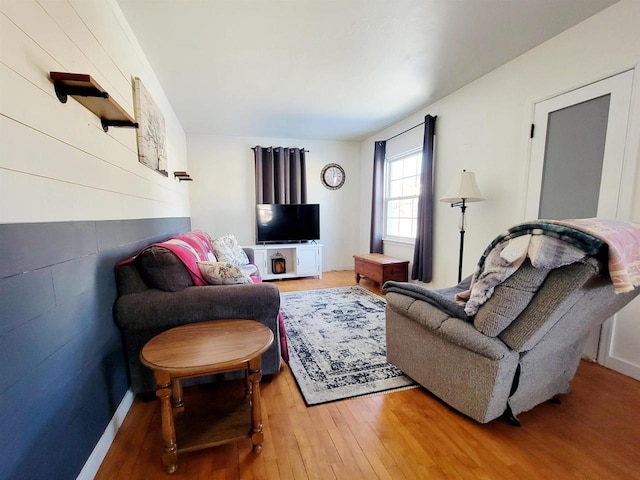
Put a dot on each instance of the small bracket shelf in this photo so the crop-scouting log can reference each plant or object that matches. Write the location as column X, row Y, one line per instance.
column 182, row 176
column 93, row 97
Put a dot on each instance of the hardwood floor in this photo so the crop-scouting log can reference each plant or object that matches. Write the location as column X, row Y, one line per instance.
column 593, row 434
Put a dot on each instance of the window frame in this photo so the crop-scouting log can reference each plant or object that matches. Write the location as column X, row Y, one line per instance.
column 386, row 198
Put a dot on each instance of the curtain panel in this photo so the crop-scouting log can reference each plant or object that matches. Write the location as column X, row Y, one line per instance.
column 281, row 175
column 423, row 252
column 377, row 197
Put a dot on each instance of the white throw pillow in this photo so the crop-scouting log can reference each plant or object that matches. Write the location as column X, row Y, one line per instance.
column 226, row 249
column 222, row 273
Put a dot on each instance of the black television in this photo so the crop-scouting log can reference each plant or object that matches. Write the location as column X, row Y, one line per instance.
column 287, row 223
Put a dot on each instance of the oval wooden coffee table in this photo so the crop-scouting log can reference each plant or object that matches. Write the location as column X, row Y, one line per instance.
column 203, row 349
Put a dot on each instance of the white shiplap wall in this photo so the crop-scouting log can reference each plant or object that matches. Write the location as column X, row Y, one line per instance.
column 56, row 162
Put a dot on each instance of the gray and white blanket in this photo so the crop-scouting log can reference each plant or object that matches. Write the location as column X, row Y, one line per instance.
column 547, row 245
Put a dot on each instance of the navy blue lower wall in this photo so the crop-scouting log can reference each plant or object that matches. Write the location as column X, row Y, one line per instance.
column 63, row 370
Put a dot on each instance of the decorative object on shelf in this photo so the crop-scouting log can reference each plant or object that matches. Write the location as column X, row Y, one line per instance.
column 463, row 189
column 182, row 176
column 278, row 264
column 332, row 176
column 151, row 132
column 93, row 97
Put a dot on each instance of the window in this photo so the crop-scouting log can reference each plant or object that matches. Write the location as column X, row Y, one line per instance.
column 402, row 189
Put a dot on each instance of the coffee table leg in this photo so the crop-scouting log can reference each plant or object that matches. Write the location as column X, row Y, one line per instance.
column 255, row 374
column 176, row 396
column 170, row 452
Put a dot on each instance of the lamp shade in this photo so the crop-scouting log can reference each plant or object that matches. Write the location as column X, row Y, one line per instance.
column 464, row 186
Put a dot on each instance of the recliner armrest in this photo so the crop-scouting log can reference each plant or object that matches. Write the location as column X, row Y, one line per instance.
column 454, row 330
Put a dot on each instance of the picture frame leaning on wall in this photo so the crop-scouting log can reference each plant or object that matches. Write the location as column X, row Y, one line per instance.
column 151, row 133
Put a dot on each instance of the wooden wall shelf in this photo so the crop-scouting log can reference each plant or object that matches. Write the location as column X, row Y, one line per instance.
column 183, row 176
column 90, row 94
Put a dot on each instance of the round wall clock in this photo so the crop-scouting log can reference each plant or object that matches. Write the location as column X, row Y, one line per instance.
column 332, row 176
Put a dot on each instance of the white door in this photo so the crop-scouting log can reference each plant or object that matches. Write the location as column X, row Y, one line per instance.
column 576, row 171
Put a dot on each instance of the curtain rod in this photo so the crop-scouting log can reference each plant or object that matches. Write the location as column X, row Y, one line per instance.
column 401, row 133
column 301, row 149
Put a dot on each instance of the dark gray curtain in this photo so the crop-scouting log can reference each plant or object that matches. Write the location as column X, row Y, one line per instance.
column 377, row 197
column 281, row 175
column 423, row 253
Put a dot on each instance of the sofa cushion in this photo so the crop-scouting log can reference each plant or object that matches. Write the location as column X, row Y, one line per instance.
column 509, row 299
column 222, row 273
column 226, row 249
column 161, row 269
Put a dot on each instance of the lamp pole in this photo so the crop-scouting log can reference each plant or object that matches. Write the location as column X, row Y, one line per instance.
column 463, row 207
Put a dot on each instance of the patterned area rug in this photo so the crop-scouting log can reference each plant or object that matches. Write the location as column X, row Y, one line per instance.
column 337, row 346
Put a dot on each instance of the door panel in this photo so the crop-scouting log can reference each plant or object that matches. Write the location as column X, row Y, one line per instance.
column 573, row 157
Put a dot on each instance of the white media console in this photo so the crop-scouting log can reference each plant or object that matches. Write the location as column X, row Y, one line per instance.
column 302, row 259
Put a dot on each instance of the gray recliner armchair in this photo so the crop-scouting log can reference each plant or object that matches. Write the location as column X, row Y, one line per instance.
column 521, row 343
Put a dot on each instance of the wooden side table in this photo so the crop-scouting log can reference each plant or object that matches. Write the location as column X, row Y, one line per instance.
column 380, row 268
column 203, row 349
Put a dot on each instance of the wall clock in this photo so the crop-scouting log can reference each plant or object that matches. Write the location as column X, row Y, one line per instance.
column 332, row 176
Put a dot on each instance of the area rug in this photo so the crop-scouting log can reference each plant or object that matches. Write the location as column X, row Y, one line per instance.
column 337, row 346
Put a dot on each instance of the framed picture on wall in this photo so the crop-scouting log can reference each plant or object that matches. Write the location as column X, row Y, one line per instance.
column 151, row 133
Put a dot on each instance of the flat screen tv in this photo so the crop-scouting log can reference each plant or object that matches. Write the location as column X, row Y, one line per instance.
column 286, row 223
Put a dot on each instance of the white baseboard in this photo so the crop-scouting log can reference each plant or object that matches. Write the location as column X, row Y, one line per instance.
column 94, row 461
column 623, row 366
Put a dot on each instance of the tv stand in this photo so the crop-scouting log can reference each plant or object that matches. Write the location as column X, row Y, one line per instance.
column 301, row 260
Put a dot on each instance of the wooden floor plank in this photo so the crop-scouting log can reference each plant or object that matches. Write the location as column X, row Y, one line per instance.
column 350, row 443
column 409, row 452
column 345, row 465
column 593, row 434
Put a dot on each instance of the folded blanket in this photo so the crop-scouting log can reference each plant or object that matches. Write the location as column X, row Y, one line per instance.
column 623, row 240
column 552, row 244
column 544, row 252
column 508, row 250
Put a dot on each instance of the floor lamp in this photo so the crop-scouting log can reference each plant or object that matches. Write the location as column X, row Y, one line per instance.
column 463, row 190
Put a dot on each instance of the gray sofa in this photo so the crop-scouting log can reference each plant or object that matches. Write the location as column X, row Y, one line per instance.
column 521, row 348
column 156, row 293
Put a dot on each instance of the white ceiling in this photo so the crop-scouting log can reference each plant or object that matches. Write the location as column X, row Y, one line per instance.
column 331, row 69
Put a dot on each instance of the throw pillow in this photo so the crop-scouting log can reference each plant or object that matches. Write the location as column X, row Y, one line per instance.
column 226, row 249
column 162, row 269
column 222, row 273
